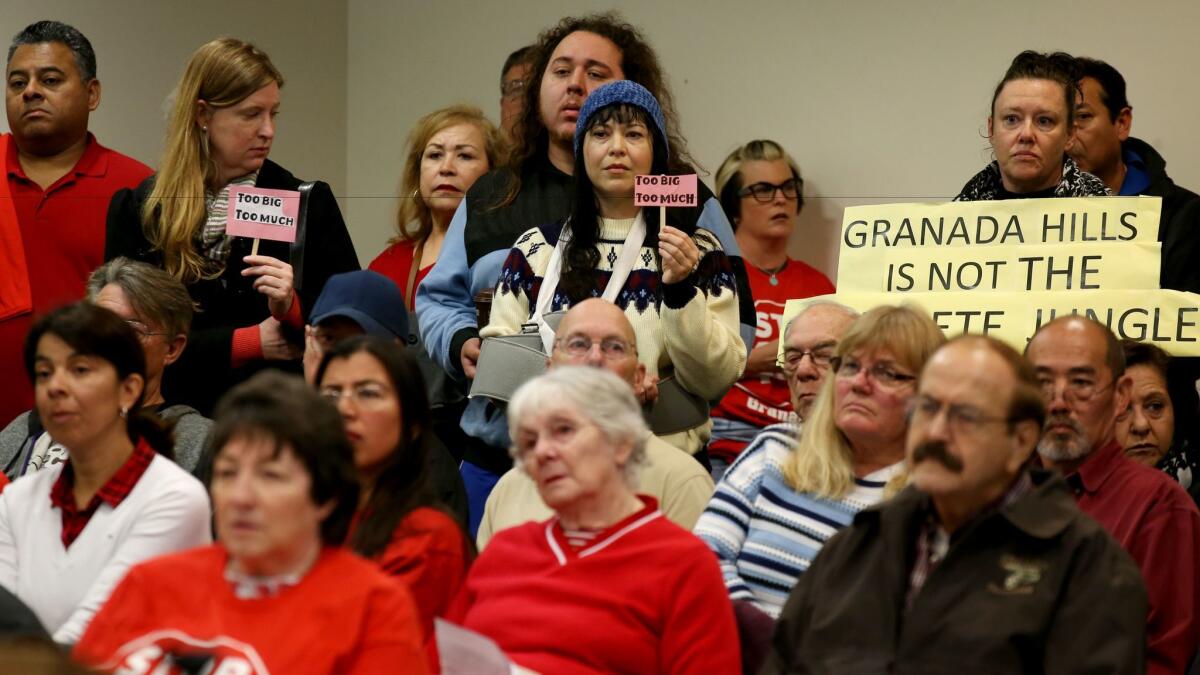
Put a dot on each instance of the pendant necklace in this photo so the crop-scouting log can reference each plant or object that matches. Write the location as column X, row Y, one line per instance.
column 771, row 273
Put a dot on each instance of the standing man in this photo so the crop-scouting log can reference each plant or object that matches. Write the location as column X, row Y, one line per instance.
column 1129, row 166
column 1081, row 371
column 570, row 60
column 981, row 565
column 59, row 182
column 514, row 78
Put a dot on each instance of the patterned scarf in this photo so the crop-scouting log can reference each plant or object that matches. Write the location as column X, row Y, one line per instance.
column 986, row 185
column 213, row 241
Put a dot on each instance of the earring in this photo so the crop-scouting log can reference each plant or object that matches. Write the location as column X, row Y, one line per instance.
column 124, row 412
column 204, row 129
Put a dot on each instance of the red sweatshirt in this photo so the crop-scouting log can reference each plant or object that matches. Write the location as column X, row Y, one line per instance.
column 344, row 617
column 644, row 596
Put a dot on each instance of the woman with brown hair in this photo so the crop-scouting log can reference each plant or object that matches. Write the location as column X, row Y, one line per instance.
column 252, row 304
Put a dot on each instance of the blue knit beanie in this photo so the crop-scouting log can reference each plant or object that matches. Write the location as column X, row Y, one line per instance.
column 619, row 91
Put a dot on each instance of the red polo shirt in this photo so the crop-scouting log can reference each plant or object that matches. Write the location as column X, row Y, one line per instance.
column 62, row 234
column 1157, row 523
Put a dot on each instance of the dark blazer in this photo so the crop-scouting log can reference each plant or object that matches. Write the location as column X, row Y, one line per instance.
column 1035, row 586
column 229, row 301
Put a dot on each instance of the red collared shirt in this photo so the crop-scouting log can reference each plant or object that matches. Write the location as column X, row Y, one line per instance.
column 113, row 492
column 1157, row 523
column 62, row 234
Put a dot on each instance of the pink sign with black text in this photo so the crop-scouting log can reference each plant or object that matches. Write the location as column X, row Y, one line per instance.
column 262, row 213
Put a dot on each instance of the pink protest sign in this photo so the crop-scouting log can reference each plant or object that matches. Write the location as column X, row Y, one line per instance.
column 664, row 190
column 263, row 214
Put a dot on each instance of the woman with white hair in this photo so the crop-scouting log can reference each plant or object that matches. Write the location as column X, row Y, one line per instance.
column 624, row 589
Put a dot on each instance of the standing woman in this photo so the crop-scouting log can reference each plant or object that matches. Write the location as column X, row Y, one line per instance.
column 69, row 532
column 762, row 193
column 399, row 522
column 674, row 281
column 448, row 150
column 251, row 307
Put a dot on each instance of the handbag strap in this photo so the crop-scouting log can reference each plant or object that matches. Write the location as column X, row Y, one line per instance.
column 412, row 277
column 296, row 250
column 620, row 273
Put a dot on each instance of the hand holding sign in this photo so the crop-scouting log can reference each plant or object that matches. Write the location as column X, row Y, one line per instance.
column 266, row 214
column 680, row 255
column 274, row 281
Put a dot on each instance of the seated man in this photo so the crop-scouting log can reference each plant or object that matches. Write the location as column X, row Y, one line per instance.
column 366, row 302
column 159, row 309
column 1081, row 370
column 597, row 333
column 982, row 565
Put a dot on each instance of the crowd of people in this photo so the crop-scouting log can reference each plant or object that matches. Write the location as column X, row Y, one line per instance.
column 235, row 456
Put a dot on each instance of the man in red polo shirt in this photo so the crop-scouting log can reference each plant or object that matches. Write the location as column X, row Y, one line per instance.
column 1081, row 369
column 59, row 182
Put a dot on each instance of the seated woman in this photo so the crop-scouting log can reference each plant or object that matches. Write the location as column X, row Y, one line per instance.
column 1033, row 117
column 68, row 533
column 378, row 389
column 1159, row 427
column 762, row 193
column 618, row 586
column 793, row 489
column 278, row 593
column 251, row 307
column 671, row 279
column 159, row 310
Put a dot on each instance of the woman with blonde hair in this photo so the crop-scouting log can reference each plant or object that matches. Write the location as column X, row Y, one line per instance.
column 448, row 150
column 252, row 301
column 793, row 489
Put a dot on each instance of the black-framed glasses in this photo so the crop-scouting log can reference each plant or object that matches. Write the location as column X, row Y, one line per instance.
column 580, row 346
column 881, row 373
column 961, row 419
column 765, row 192
column 821, row 357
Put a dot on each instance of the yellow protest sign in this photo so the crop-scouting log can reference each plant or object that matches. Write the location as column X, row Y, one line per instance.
column 1004, row 268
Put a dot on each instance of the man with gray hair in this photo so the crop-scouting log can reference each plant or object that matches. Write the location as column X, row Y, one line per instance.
column 59, row 182
column 159, row 310
column 597, row 333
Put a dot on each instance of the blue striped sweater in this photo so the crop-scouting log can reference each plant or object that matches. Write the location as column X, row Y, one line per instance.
column 766, row 534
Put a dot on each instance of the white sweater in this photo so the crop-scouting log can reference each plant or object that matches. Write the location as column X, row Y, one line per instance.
column 167, row 511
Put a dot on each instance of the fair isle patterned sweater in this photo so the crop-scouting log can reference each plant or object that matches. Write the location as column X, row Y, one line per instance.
column 765, row 533
column 691, row 325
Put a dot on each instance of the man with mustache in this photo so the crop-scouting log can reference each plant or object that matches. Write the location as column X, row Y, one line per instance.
column 983, row 564
column 569, row 61
column 1081, row 372
column 59, row 182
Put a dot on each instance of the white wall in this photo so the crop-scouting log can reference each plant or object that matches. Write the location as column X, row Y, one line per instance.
column 142, row 47
column 879, row 101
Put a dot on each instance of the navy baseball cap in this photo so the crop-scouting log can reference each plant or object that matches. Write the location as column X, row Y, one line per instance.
column 367, row 298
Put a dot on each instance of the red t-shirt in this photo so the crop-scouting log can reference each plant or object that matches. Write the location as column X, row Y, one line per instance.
column 396, row 263
column 763, row 399
column 1158, row 525
column 345, row 617
column 428, row 552
column 62, row 233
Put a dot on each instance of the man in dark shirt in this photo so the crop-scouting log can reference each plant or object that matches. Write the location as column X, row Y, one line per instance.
column 59, row 182
column 982, row 565
column 1129, row 166
column 1081, row 371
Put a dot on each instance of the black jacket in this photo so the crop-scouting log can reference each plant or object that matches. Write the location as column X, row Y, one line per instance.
column 205, row 371
column 1033, row 587
column 1179, row 229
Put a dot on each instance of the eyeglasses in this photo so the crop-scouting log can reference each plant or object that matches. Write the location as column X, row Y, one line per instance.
column 962, row 420
column 580, row 346
column 142, row 329
column 365, row 394
column 821, row 358
column 513, row 88
column 1077, row 387
column 765, row 192
column 881, row 373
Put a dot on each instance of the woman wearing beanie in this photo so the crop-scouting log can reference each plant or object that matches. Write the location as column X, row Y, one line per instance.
column 671, row 279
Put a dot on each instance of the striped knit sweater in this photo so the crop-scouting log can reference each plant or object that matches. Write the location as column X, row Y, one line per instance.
column 691, row 325
column 764, row 533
